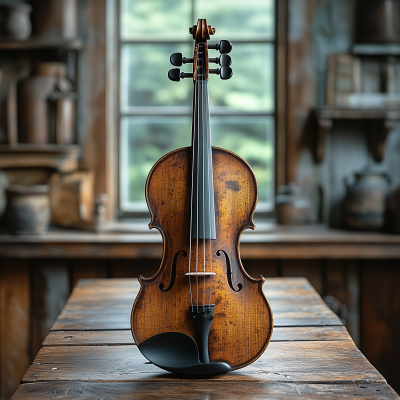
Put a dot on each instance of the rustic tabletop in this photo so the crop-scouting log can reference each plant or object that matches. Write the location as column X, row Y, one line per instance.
column 90, row 354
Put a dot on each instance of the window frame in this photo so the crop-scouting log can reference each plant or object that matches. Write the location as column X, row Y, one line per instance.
column 114, row 45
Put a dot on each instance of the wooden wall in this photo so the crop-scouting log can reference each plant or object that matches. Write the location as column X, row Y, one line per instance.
column 317, row 28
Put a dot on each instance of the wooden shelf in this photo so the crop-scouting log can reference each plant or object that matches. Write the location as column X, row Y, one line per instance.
column 61, row 158
column 40, row 44
column 376, row 50
column 278, row 242
column 382, row 122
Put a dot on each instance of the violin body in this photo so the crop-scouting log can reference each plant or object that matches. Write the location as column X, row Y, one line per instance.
column 242, row 324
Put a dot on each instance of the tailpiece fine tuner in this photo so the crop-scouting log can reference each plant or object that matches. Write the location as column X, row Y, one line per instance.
column 201, row 314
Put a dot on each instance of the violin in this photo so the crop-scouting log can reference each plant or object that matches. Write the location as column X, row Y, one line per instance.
column 201, row 313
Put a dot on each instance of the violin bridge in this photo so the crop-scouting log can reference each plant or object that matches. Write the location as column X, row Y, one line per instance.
column 200, row 273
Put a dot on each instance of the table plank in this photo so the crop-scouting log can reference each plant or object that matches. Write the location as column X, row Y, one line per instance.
column 124, row 305
column 200, row 390
column 310, row 362
column 103, row 290
column 124, row 337
column 105, row 304
column 113, row 321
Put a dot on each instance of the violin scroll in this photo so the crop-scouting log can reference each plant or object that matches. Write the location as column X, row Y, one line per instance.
column 201, row 33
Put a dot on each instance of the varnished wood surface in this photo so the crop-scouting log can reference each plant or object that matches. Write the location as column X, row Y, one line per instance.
column 201, row 390
column 268, row 241
column 243, row 322
column 294, row 303
column 312, row 361
column 124, row 337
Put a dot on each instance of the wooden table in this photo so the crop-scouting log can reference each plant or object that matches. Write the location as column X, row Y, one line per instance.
column 89, row 353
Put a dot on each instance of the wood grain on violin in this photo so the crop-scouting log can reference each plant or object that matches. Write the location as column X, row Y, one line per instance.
column 243, row 319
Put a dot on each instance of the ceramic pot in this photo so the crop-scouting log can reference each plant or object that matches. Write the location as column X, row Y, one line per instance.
column 35, row 112
column 55, row 19
column 292, row 208
column 378, row 21
column 28, row 209
column 14, row 20
column 365, row 202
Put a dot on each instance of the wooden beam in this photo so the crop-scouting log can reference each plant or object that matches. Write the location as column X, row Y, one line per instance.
column 50, row 290
column 15, row 323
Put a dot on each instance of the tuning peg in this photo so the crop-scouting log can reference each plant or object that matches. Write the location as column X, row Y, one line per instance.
column 224, row 46
column 176, row 75
column 223, row 72
column 177, row 60
column 224, row 60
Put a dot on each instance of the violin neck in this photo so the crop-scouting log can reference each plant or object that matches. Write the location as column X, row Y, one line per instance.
column 202, row 194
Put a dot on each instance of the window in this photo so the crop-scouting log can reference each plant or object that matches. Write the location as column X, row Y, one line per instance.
column 155, row 113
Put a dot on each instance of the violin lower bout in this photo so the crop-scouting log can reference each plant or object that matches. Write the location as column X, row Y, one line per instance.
column 242, row 327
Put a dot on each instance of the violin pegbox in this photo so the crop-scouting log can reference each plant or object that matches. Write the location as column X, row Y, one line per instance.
column 201, row 33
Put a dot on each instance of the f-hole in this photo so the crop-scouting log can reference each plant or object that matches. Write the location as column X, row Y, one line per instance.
column 173, row 272
column 229, row 272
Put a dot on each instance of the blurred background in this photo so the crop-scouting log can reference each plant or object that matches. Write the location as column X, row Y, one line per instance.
column 86, row 109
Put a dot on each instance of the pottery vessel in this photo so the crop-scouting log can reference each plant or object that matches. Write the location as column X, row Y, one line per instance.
column 365, row 202
column 292, row 208
column 378, row 21
column 37, row 114
column 28, row 209
column 55, row 19
column 15, row 23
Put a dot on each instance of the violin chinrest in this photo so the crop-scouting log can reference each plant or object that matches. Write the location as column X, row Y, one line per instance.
column 177, row 352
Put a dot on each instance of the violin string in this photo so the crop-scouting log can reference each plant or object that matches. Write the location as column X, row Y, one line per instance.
column 203, row 154
column 191, row 192
column 210, row 193
column 197, row 203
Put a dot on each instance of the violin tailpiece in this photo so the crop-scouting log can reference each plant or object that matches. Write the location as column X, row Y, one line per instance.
column 202, row 317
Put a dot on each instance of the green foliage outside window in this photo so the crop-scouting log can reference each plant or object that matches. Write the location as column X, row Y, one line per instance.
column 144, row 85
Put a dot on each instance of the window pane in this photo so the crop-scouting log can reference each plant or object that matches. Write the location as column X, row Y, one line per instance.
column 238, row 19
column 149, row 18
column 144, row 79
column 143, row 141
column 252, row 138
column 251, row 87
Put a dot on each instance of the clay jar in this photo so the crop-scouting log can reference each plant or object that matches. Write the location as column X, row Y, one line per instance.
column 33, row 108
column 14, row 20
column 55, row 19
column 365, row 202
column 292, row 208
column 378, row 21
column 28, row 209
